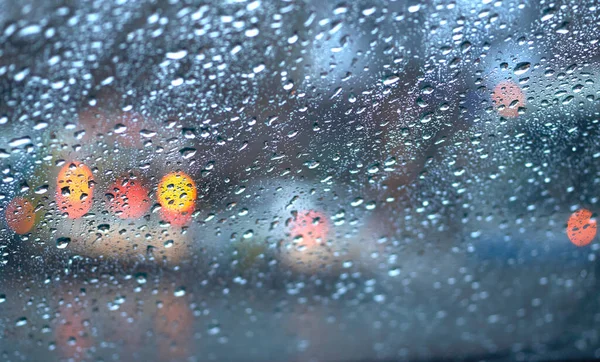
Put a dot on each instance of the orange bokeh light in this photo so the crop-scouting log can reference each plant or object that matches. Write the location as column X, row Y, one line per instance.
column 508, row 98
column 20, row 215
column 177, row 192
column 75, row 189
column 129, row 199
column 581, row 228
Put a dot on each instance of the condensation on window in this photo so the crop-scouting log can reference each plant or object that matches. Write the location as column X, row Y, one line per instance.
column 299, row 180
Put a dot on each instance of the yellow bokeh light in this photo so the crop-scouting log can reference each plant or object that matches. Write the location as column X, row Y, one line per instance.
column 176, row 192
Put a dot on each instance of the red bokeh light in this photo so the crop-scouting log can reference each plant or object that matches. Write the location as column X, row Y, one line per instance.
column 129, row 198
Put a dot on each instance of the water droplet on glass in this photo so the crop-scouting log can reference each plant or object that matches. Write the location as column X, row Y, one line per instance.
column 62, row 242
column 389, row 80
column 179, row 292
column 251, row 33
column 522, row 68
column 120, row 128
column 16, row 142
column 21, row 322
column 414, row 8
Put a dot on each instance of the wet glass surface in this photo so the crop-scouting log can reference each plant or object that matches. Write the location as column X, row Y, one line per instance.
column 299, row 180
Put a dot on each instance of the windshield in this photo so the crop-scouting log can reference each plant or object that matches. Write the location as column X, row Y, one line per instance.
column 299, row 180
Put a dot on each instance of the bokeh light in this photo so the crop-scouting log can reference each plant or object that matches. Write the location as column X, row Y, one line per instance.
column 128, row 198
column 74, row 189
column 176, row 192
column 311, row 226
column 20, row 215
column 581, row 228
column 307, row 250
column 508, row 98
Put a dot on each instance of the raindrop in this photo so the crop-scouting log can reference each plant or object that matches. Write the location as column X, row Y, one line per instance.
column 251, row 33
column 39, row 125
column 522, row 68
column 214, row 329
column 369, row 11
column 16, row 142
column 177, row 55
column 390, row 80
column 548, row 14
column 120, row 128
column 30, row 30
column 179, row 292
column 394, row 272
column 187, row 152
column 147, row 133
column 104, row 227
column 62, row 242
column 357, row 202
column 414, row 8
column 141, row 278
column 40, row 190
